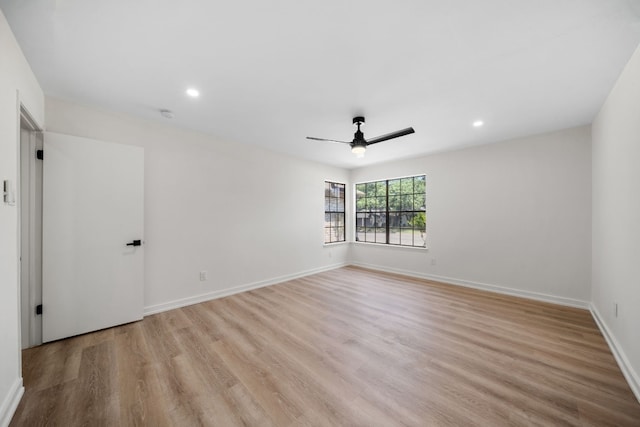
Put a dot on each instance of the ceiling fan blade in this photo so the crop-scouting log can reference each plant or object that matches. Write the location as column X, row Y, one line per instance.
column 328, row 140
column 391, row 135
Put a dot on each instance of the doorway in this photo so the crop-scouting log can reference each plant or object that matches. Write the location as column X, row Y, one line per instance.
column 30, row 218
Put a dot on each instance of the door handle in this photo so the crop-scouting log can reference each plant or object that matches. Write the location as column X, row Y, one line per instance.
column 135, row 243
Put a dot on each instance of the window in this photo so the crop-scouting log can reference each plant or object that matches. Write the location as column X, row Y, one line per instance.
column 334, row 197
column 392, row 211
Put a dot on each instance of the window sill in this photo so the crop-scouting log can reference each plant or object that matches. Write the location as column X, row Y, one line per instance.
column 384, row 245
column 335, row 244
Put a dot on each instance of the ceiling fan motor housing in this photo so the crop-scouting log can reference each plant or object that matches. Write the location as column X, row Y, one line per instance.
column 358, row 136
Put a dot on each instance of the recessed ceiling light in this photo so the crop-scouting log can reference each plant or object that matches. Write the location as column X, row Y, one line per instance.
column 478, row 123
column 194, row 93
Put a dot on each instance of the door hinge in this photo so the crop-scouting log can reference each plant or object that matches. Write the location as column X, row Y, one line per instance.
column 40, row 154
column 39, row 309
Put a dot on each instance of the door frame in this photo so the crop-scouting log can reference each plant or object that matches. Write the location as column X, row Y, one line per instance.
column 29, row 245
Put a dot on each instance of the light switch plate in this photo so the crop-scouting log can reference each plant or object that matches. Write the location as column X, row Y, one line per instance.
column 9, row 193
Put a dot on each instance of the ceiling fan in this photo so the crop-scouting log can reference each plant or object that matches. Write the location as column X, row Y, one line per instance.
column 359, row 144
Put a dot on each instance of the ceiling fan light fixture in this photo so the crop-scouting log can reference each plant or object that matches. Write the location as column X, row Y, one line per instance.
column 358, row 150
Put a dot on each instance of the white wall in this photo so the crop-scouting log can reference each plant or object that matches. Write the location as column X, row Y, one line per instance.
column 17, row 85
column 616, row 218
column 514, row 215
column 245, row 215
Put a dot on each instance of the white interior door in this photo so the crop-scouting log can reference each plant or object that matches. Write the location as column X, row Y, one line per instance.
column 92, row 207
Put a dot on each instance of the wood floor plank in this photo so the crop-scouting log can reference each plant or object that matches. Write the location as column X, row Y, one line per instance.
column 246, row 408
column 139, row 392
column 272, row 394
column 345, row 347
column 95, row 395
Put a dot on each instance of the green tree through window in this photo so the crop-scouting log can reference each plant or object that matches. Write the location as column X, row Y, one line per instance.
column 392, row 211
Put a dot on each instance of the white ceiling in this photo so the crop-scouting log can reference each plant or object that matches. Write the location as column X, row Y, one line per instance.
column 271, row 73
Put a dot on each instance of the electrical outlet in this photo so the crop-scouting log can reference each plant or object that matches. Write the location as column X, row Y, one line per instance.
column 203, row 276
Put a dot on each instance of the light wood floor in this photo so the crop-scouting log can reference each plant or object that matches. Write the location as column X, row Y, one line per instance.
column 345, row 347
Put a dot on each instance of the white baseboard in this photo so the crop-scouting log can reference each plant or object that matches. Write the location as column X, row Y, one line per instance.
column 569, row 302
column 629, row 373
column 158, row 308
column 10, row 402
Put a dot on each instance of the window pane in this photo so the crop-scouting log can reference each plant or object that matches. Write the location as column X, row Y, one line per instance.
column 327, row 219
column 339, row 234
column 327, row 189
column 337, row 220
column 381, row 204
column 419, row 237
column 394, row 187
column 406, row 237
column 341, row 191
column 381, row 235
column 407, row 202
column 418, row 202
column 394, row 203
column 410, row 219
column 340, row 207
column 411, row 233
column 419, row 221
column 381, row 220
column 406, row 185
column 394, row 236
column 370, row 189
column 370, row 235
column 333, row 205
column 327, row 204
column 419, row 184
column 394, row 220
column 404, row 220
column 381, row 188
column 370, row 221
